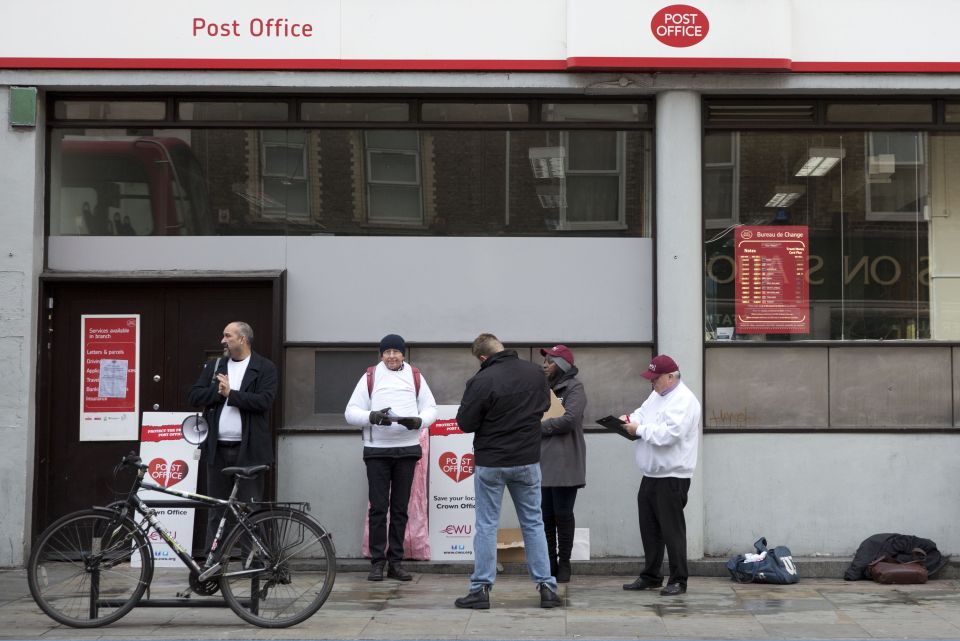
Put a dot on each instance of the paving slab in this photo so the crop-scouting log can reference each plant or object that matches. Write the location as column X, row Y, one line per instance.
column 595, row 607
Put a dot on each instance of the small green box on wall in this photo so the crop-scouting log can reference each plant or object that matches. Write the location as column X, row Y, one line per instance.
column 23, row 106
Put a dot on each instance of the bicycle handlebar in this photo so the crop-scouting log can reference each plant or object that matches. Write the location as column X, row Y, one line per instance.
column 133, row 460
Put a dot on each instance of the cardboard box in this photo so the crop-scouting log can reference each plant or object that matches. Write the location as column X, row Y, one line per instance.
column 510, row 546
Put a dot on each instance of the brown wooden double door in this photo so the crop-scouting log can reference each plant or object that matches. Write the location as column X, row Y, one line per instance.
column 181, row 324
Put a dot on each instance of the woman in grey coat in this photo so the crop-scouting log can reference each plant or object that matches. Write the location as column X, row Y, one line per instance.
column 563, row 458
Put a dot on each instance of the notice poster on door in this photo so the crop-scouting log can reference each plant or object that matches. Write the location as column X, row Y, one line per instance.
column 109, row 371
column 451, row 506
column 170, row 463
column 772, row 289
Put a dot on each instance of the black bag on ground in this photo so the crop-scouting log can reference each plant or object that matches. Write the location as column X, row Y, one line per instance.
column 766, row 566
column 897, row 546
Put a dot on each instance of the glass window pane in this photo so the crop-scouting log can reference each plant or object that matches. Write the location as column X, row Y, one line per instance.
column 109, row 110
column 952, row 113
column 593, row 199
column 231, row 111
column 592, row 150
column 718, row 148
column 865, row 215
column 879, row 112
column 604, row 112
column 399, row 203
column 355, row 111
column 350, row 181
column 285, row 196
column 464, row 112
column 283, row 160
column 392, row 139
column 393, row 167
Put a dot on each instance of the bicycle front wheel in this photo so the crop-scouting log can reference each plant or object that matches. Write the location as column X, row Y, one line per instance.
column 83, row 569
column 281, row 571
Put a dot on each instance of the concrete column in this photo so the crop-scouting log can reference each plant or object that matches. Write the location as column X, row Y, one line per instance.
column 21, row 210
column 679, row 245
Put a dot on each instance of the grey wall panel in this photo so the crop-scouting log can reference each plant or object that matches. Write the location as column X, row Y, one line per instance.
column 891, row 387
column 765, row 387
column 157, row 253
column 447, row 370
column 431, row 289
column 611, row 379
column 428, row 289
column 825, row 493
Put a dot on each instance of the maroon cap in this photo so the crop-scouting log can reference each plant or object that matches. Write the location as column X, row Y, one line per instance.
column 661, row 364
column 559, row 350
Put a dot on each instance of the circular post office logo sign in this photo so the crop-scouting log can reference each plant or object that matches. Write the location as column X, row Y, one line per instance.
column 679, row 25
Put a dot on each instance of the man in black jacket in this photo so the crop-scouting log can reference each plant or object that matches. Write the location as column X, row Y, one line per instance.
column 502, row 406
column 236, row 394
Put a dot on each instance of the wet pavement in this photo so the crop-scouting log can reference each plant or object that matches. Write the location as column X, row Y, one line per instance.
column 595, row 607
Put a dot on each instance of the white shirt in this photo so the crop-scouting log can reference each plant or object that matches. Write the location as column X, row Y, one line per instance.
column 669, row 430
column 396, row 390
column 230, row 426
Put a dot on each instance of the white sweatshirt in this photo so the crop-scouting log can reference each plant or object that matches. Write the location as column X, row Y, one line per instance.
column 668, row 427
column 393, row 389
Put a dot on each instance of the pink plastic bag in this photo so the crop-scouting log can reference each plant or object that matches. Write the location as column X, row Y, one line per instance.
column 416, row 541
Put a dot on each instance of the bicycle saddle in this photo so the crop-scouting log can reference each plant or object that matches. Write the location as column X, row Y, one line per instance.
column 245, row 472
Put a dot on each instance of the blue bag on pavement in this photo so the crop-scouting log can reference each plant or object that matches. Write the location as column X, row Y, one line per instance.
column 766, row 566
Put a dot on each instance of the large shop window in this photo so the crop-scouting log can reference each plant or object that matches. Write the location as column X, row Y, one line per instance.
column 567, row 169
column 879, row 215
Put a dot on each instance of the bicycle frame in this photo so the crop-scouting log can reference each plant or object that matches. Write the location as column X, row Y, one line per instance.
column 235, row 507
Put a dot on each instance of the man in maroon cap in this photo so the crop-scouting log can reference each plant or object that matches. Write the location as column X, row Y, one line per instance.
column 667, row 425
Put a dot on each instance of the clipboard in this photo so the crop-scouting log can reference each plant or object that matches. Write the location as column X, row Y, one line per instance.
column 614, row 424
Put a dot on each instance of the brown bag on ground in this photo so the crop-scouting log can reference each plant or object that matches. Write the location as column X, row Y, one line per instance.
column 886, row 569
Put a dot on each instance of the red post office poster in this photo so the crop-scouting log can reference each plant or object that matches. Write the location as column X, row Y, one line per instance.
column 772, row 289
column 173, row 463
column 451, row 507
column 109, row 368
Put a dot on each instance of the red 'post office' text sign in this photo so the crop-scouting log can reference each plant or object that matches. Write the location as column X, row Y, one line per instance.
column 679, row 25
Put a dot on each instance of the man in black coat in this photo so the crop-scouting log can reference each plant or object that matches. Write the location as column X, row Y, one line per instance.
column 502, row 406
column 236, row 394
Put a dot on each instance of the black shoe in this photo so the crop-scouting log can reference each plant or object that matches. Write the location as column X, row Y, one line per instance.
column 376, row 572
column 549, row 598
column 476, row 600
column 563, row 572
column 673, row 589
column 642, row 583
column 397, row 572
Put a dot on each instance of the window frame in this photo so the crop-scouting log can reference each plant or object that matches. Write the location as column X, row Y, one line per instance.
column 368, row 180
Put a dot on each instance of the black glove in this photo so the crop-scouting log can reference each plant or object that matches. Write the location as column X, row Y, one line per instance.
column 380, row 418
column 412, row 423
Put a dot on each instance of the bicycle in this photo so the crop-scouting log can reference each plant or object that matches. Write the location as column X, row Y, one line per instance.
column 274, row 569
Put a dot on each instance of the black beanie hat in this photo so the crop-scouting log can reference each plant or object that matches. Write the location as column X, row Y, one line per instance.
column 393, row 341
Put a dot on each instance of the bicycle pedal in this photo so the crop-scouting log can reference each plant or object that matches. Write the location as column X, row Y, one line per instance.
column 185, row 594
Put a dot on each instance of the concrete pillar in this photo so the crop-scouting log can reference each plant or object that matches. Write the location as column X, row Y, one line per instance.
column 21, row 210
column 679, row 244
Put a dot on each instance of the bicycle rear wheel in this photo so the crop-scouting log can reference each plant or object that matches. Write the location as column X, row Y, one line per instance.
column 288, row 580
column 80, row 571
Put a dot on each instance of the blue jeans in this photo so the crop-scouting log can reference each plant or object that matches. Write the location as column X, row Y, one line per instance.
column 523, row 481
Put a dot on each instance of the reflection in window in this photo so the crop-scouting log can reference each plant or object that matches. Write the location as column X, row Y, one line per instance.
column 355, row 181
column 861, row 196
column 896, row 176
column 720, row 179
column 393, row 177
column 125, row 186
column 284, row 174
column 594, row 180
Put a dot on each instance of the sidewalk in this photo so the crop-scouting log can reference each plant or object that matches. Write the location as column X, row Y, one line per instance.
column 595, row 608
